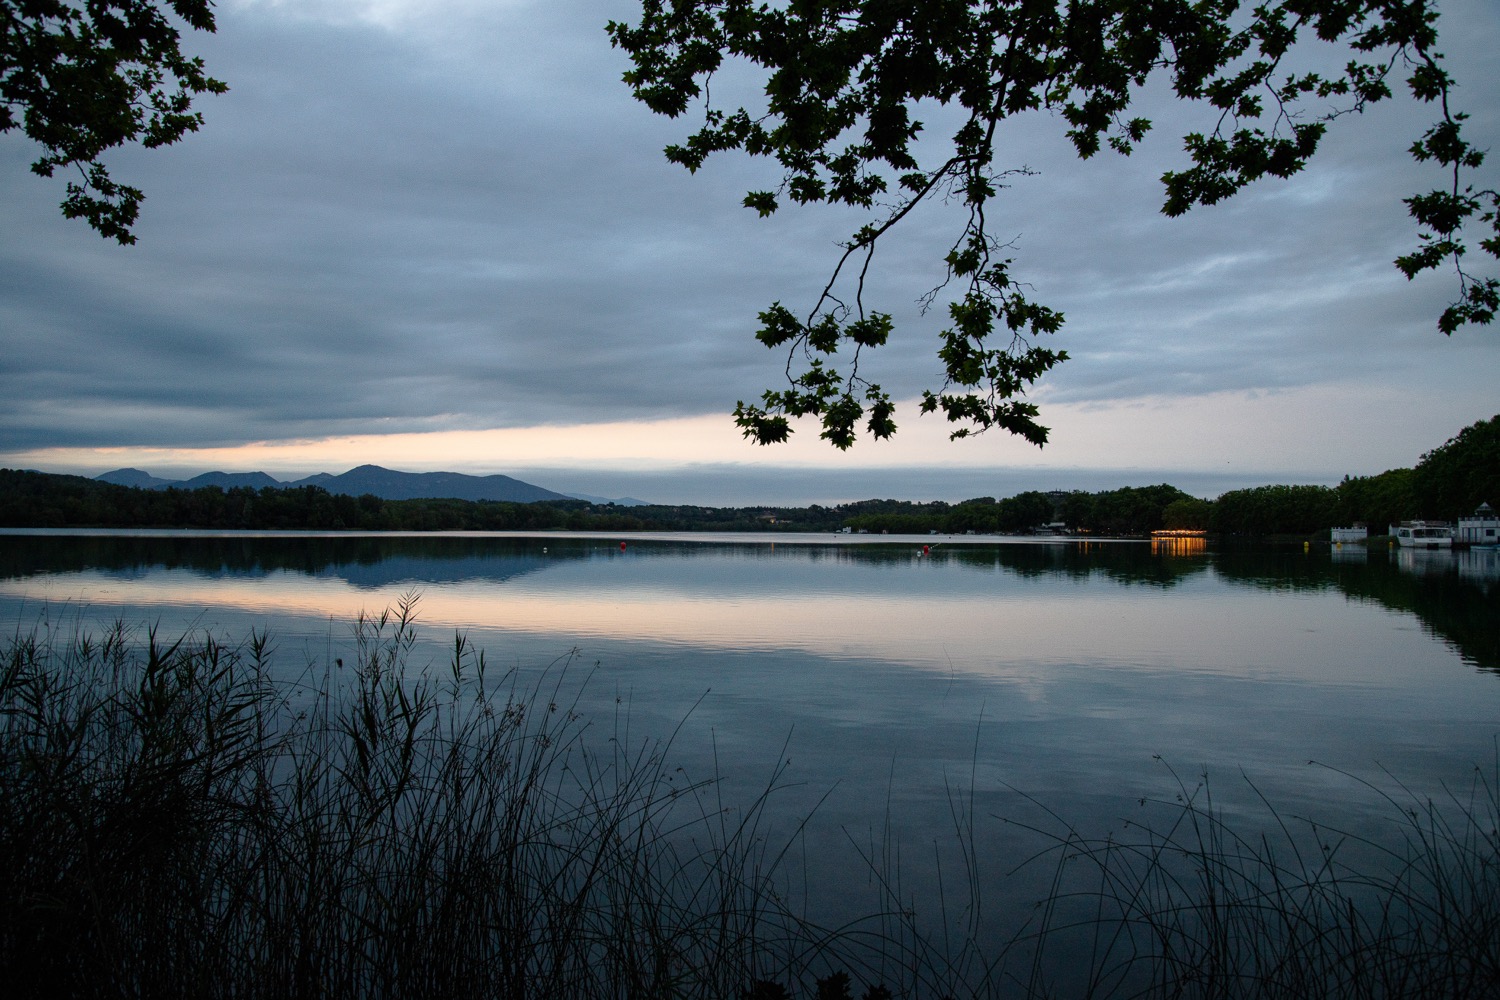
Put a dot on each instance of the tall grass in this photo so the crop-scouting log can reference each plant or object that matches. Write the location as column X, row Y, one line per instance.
column 173, row 823
column 1183, row 903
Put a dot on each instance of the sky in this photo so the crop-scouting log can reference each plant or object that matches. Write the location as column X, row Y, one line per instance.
column 440, row 235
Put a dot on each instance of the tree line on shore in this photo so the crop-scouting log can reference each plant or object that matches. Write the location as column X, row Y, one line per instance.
column 43, row 500
column 1450, row 480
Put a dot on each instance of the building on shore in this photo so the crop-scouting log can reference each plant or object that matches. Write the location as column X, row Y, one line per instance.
column 1480, row 528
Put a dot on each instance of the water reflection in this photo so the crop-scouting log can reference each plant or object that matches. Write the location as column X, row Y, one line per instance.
column 1480, row 566
column 1341, row 553
column 380, row 560
column 1178, row 545
column 1424, row 562
column 1058, row 668
column 1463, row 609
column 922, row 607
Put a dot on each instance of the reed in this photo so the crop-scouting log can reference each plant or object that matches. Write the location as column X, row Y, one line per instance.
column 1183, row 903
column 176, row 824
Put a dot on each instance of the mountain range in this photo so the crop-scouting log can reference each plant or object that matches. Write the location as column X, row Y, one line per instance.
column 387, row 484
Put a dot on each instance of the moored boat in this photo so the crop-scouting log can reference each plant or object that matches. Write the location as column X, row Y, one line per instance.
column 1423, row 534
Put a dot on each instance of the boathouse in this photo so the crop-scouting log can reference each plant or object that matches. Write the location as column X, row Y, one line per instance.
column 1358, row 533
column 1480, row 528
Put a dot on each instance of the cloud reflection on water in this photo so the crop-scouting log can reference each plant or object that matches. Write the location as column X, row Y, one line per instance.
column 956, row 611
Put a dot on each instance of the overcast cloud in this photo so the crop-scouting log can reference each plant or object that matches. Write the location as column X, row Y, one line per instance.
column 451, row 216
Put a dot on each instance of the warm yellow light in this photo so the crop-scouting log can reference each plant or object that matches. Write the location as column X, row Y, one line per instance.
column 1185, row 542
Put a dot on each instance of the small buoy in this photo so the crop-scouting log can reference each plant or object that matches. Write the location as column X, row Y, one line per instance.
column 622, row 546
column 927, row 550
column 544, row 550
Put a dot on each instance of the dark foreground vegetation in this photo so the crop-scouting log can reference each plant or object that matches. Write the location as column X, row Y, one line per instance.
column 175, row 824
column 1449, row 481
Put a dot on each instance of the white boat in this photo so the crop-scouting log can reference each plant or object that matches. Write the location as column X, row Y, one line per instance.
column 1423, row 534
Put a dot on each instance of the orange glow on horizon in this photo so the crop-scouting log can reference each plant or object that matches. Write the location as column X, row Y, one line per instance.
column 1156, row 432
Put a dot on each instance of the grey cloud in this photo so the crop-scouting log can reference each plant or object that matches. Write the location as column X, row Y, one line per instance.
column 470, row 224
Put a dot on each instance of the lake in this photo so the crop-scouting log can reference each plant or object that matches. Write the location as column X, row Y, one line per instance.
column 1048, row 683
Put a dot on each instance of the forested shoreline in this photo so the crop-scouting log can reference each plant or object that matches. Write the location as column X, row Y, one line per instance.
column 1449, row 481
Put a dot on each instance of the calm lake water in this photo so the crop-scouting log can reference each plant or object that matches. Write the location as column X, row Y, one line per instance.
column 1025, row 674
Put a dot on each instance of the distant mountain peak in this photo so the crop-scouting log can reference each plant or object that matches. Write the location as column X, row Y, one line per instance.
column 388, row 484
column 392, row 485
column 135, row 477
column 617, row 501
